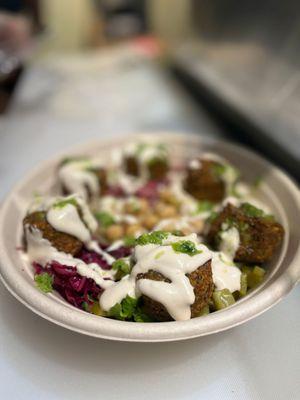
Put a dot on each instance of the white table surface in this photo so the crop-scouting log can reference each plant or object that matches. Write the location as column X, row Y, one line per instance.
column 259, row 360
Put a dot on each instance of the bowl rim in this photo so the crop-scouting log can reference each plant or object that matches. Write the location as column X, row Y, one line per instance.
column 67, row 316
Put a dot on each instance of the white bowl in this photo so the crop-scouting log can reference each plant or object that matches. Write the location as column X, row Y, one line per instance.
column 277, row 190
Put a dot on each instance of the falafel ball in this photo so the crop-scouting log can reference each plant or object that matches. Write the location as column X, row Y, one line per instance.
column 202, row 282
column 156, row 167
column 260, row 236
column 202, row 181
column 99, row 172
column 61, row 241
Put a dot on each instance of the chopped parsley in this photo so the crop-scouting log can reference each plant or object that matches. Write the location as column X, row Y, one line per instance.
column 219, row 170
column 155, row 237
column 251, row 211
column 129, row 241
column 204, row 206
column 213, row 216
column 122, row 268
column 186, row 246
column 44, row 282
column 62, row 203
column 128, row 310
column 85, row 306
column 177, row 232
column 105, row 219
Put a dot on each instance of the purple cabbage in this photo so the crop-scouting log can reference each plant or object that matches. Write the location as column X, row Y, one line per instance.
column 77, row 290
column 150, row 190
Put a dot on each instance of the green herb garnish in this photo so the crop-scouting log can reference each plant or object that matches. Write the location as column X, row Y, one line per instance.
column 213, row 216
column 219, row 170
column 44, row 282
column 204, row 206
column 177, row 232
column 186, row 246
column 122, row 268
column 129, row 241
column 252, row 211
column 65, row 202
column 155, row 237
column 85, row 306
column 105, row 219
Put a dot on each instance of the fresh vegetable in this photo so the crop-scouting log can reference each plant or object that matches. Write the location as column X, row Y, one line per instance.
column 128, row 310
column 222, row 299
column 122, row 267
column 44, row 282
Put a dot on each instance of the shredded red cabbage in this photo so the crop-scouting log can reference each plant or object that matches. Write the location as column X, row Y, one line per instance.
column 121, row 252
column 150, row 190
column 92, row 257
column 77, row 290
column 115, row 191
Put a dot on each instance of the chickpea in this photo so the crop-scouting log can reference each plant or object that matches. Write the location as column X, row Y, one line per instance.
column 136, row 206
column 143, row 206
column 131, row 207
column 186, row 231
column 149, row 221
column 168, row 197
column 131, row 230
column 114, row 232
column 198, row 225
column 165, row 210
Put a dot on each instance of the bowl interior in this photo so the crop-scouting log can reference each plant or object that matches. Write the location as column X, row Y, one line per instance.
column 276, row 190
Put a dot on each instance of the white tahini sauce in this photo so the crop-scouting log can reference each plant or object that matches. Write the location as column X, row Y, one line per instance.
column 67, row 220
column 143, row 153
column 77, row 178
column 178, row 295
column 225, row 274
column 195, row 164
column 41, row 251
column 230, row 241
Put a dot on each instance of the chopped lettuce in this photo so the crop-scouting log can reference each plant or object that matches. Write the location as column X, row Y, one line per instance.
column 122, row 267
column 44, row 282
column 128, row 310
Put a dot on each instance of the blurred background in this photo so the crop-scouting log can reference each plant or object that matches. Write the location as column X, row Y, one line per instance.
column 77, row 69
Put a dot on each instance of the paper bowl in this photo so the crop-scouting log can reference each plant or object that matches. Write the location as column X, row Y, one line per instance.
column 277, row 190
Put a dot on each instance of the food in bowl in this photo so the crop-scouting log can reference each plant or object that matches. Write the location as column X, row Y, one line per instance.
column 144, row 239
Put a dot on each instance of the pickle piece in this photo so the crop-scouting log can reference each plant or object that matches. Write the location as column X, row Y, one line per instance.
column 222, row 299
